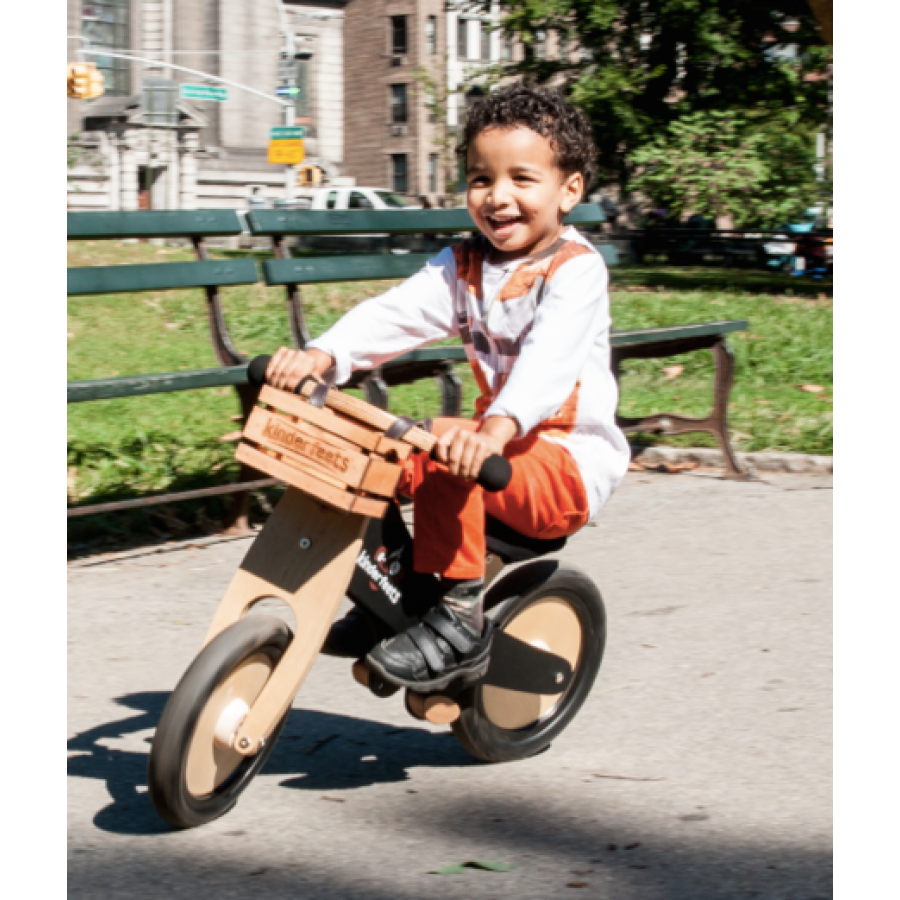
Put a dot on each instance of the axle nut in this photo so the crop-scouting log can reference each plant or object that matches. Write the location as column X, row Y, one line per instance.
column 305, row 543
column 244, row 743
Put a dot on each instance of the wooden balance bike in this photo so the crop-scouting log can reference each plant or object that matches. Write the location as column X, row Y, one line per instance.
column 338, row 531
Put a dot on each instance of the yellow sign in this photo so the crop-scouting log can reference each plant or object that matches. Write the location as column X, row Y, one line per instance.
column 286, row 153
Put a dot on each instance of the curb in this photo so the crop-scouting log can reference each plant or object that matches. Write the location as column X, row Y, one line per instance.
column 795, row 463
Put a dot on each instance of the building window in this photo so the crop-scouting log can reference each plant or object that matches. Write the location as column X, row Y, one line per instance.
column 105, row 26
column 507, row 48
column 398, row 35
column 540, row 44
column 431, row 35
column 399, row 105
column 432, row 173
column 462, row 38
column 485, row 43
column 400, row 173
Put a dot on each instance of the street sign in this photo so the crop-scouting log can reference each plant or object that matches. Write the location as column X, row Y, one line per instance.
column 287, row 133
column 204, row 92
column 287, row 90
column 286, row 153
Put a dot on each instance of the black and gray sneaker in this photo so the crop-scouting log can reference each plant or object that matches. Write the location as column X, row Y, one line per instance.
column 354, row 636
column 433, row 653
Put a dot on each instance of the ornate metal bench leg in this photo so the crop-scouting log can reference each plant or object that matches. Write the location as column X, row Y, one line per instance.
column 237, row 518
column 300, row 335
column 451, row 391
column 723, row 357
column 376, row 389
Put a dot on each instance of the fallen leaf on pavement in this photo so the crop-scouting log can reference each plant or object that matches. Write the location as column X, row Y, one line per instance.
column 577, row 884
column 629, row 778
column 484, row 865
column 673, row 371
column 812, row 388
column 334, row 799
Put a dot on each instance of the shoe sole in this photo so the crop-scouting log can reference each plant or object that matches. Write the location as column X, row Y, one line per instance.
column 472, row 673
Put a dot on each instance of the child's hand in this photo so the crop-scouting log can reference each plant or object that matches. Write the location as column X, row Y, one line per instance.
column 464, row 452
column 288, row 368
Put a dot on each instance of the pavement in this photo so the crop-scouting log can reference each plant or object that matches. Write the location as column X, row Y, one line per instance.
column 699, row 768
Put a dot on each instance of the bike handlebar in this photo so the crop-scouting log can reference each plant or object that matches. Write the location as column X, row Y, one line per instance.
column 495, row 473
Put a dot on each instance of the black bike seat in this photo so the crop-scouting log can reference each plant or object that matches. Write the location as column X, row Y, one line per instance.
column 513, row 546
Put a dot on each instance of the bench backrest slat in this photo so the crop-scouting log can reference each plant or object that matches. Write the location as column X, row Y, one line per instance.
column 152, row 223
column 398, row 221
column 160, row 276
column 327, row 269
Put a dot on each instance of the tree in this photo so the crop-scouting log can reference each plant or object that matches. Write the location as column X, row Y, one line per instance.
column 716, row 163
column 643, row 65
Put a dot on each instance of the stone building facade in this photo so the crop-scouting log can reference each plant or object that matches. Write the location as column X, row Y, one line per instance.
column 383, row 93
column 215, row 155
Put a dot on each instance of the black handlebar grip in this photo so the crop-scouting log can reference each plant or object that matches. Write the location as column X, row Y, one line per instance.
column 495, row 473
column 256, row 370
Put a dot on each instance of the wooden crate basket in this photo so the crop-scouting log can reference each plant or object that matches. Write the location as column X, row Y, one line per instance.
column 337, row 458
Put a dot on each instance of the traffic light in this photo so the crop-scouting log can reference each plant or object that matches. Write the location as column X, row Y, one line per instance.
column 84, row 81
column 308, row 175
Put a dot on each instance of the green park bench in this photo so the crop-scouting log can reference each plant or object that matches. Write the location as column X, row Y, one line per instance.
column 292, row 273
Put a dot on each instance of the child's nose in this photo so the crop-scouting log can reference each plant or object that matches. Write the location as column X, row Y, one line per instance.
column 501, row 194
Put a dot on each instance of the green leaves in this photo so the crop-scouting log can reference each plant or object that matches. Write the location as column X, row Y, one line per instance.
column 644, row 64
column 720, row 162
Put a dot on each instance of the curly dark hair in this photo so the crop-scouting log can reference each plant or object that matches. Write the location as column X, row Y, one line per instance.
column 543, row 110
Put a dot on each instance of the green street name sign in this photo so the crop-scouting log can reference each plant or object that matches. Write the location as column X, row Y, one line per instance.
column 204, row 92
column 287, row 133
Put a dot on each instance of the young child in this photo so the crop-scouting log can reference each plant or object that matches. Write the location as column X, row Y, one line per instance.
column 528, row 298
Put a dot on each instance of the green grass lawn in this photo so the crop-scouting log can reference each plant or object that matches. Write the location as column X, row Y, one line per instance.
column 122, row 448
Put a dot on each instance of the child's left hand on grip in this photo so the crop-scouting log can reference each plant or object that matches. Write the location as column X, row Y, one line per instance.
column 464, row 451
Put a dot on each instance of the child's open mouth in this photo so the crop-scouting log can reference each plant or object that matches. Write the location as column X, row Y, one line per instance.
column 503, row 226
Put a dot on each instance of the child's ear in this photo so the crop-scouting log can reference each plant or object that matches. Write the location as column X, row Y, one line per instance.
column 572, row 189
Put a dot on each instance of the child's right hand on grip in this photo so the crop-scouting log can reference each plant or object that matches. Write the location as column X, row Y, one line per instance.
column 288, row 368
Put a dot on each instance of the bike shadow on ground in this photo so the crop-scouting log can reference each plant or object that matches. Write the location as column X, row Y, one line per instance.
column 317, row 751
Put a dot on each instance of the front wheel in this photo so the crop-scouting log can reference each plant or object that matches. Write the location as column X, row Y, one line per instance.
column 194, row 776
column 564, row 615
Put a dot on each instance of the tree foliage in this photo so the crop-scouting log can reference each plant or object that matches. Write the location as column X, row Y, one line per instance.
column 717, row 163
column 638, row 66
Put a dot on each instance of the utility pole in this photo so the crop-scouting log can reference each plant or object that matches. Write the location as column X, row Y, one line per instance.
column 284, row 76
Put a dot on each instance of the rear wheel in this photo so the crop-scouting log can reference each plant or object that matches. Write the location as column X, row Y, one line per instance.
column 194, row 774
column 565, row 616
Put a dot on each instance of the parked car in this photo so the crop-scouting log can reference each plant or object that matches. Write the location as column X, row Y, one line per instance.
column 351, row 197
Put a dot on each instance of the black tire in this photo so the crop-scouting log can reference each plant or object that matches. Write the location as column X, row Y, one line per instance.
column 236, row 661
column 494, row 732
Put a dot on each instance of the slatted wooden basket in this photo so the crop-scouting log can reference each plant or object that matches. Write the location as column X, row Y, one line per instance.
column 337, row 454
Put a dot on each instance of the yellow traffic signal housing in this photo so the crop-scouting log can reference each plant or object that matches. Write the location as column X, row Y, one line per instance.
column 84, row 81
column 308, row 175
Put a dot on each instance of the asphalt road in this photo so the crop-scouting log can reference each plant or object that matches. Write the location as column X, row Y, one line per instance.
column 699, row 768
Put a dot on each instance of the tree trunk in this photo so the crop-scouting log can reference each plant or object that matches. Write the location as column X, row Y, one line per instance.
column 822, row 10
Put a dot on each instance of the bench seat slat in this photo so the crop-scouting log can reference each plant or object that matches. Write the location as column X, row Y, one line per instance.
column 152, row 223
column 163, row 383
column 676, row 332
column 326, row 269
column 160, row 276
column 111, row 388
column 362, row 221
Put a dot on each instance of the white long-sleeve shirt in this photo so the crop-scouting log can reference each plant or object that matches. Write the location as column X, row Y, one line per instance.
column 536, row 331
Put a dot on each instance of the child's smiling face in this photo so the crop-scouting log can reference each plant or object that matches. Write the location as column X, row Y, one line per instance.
column 517, row 194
